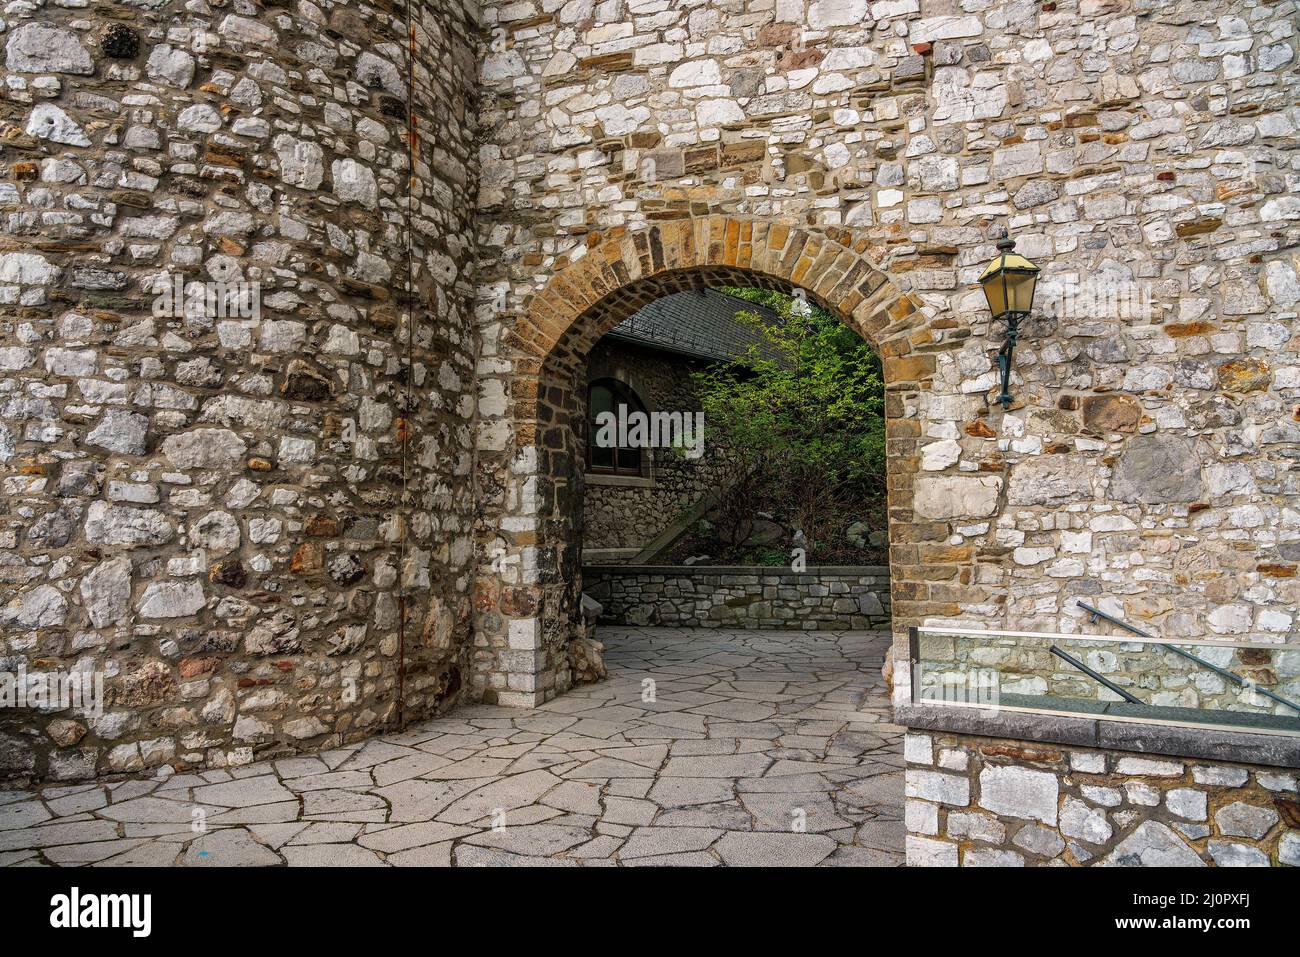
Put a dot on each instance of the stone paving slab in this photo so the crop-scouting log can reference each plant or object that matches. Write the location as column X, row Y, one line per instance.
column 751, row 752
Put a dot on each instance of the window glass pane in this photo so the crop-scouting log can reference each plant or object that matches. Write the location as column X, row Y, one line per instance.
column 602, row 400
column 612, row 397
column 629, row 460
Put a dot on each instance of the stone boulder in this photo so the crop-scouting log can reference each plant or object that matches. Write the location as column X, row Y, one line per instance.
column 48, row 122
column 17, row 756
column 586, row 661
column 204, row 448
column 106, row 592
column 957, row 496
column 129, row 527
column 37, row 47
column 42, row 607
column 1156, row 469
column 1019, row 792
column 1050, row 480
column 1152, row 845
column 171, row 600
column 120, row 431
column 1111, row 413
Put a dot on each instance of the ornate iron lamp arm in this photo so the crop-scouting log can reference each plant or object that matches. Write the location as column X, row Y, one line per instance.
column 1004, row 358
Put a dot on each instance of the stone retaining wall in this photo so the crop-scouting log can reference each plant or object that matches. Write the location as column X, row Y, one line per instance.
column 749, row 597
column 979, row 802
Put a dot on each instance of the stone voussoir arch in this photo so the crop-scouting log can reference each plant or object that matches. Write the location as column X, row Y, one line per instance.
column 624, row 270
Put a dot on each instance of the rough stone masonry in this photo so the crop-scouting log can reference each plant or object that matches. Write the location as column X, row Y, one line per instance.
column 984, row 802
column 225, row 515
column 1143, row 153
column 230, row 518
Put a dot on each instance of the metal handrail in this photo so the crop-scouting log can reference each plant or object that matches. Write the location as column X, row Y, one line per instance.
column 1094, row 675
column 1096, row 613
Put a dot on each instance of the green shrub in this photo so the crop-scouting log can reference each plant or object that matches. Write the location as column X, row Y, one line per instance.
column 803, row 416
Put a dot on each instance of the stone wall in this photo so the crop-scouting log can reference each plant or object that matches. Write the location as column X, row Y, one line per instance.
column 827, row 598
column 223, row 516
column 1138, row 150
column 980, row 802
column 619, row 515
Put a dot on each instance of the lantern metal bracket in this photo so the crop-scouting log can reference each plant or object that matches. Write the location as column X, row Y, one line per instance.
column 1009, row 283
column 1005, row 355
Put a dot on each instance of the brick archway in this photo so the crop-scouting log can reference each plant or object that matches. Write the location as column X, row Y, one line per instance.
column 529, row 588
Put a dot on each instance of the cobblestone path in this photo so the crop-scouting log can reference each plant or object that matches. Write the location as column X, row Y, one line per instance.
column 756, row 748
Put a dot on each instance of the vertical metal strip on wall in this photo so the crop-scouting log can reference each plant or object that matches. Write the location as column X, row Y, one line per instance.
column 404, row 430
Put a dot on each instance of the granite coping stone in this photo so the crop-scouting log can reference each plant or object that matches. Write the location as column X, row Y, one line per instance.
column 1205, row 743
column 815, row 571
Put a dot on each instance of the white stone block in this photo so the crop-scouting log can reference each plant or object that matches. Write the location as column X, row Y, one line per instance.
column 924, row 852
column 523, row 633
column 921, row 817
column 918, row 749
column 1020, row 793
column 941, row 788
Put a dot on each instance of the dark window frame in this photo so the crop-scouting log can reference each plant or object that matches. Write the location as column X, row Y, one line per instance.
column 629, row 463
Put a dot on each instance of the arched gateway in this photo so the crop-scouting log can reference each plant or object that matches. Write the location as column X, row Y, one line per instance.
column 529, row 588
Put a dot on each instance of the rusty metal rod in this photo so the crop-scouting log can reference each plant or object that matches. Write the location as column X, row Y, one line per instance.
column 1221, row 672
column 1094, row 676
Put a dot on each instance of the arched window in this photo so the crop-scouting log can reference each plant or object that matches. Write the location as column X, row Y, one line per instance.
column 610, row 395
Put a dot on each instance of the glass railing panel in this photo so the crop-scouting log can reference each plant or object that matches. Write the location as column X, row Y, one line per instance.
column 1230, row 685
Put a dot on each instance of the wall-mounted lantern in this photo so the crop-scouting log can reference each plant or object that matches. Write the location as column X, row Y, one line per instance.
column 1009, row 283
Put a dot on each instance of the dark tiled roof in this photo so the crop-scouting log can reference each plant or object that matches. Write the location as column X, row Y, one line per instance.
column 700, row 322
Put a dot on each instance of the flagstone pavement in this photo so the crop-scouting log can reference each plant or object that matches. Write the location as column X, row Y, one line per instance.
column 703, row 747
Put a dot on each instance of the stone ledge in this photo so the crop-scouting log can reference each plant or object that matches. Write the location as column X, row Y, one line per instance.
column 625, row 481
column 1214, row 745
column 598, row 557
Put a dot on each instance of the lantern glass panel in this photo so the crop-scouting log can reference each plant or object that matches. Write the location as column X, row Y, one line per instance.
column 995, row 291
column 1020, row 291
